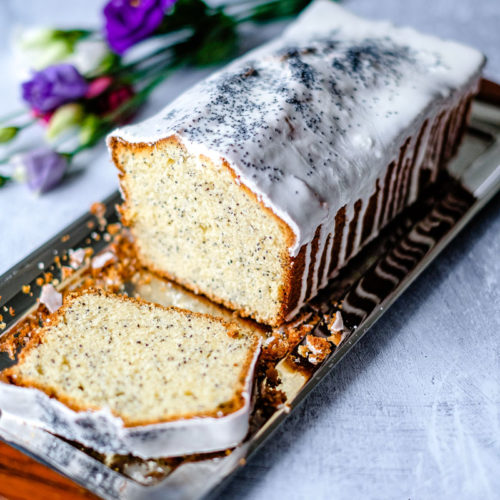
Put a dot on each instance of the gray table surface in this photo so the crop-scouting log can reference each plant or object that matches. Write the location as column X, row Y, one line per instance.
column 414, row 410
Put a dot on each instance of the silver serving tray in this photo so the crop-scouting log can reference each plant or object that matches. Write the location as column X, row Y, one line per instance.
column 366, row 289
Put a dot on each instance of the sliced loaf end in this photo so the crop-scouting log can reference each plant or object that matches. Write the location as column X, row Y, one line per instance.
column 144, row 362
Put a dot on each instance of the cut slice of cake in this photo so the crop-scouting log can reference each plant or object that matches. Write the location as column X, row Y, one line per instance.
column 258, row 184
column 126, row 376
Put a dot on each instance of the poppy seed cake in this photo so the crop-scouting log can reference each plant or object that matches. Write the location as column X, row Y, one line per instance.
column 258, row 184
column 145, row 364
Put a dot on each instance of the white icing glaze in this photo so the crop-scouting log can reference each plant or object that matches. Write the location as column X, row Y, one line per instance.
column 103, row 259
column 76, row 258
column 106, row 433
column 51, row 298
column 338, row 324
column 309, row 121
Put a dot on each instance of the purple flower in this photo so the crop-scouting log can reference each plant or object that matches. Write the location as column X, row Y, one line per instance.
column 42, row 169
column 130, row 21
column 53, row 86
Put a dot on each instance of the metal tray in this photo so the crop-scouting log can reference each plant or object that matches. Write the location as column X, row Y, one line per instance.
column 366, row 289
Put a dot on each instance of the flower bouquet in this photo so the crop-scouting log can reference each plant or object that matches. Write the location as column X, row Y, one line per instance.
column 85, row 82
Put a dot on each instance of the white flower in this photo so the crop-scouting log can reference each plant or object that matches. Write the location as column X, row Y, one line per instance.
column 37, row 48
column 88, row 55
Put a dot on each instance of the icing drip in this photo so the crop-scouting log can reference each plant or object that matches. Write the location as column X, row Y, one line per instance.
column 310, row 121
column 303, row 285
column 324, row 278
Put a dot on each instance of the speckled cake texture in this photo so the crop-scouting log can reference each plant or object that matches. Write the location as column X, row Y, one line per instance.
column 333, row 129
column 124, row 376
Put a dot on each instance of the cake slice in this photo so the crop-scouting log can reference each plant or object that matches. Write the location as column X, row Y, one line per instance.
column 258, row 184
column 134, row 377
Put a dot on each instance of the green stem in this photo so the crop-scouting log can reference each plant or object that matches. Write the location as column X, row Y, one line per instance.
column 12, row 115
column 137, row 99
column 27, row 124
column 271, row 11
column 3, row 180
column 109, row 121
column 150, row 58
column 151, row 70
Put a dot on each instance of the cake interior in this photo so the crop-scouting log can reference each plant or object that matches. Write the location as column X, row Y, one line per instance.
column 144, row 362
column 191, row 219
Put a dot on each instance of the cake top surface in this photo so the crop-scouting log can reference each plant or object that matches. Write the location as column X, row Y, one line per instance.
column 144, row 363
column 311, row 119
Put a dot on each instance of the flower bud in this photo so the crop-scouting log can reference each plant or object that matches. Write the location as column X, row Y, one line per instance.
column 98, row 86
column 88, row 55
column 64, row 117
column 48, row 89
column 8, row 133
column 41, row 169
column 89, row 129
column 37, row 48
column 35, row 37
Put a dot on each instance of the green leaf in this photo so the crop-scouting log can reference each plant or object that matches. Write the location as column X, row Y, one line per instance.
column 8, row 133
column 219, row 44
column 184, row 13
column 277, row 9
column 215, row 40
column 4, row 180
column 66, row 116
column 90, row 130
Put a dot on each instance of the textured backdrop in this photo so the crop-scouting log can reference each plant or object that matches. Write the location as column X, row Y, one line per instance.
column 414, row 409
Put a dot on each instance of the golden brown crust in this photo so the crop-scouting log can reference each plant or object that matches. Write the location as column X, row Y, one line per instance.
column 12, row 376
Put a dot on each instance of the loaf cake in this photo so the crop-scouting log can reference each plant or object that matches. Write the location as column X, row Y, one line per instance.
column 258, row 184
column 126, row 376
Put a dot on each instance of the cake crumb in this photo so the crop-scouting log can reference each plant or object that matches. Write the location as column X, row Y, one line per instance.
column 113, row 229
column 315, row 350
column 50, row 298
column 335, row 338
column 233, row 332
column 99, row 210
column 335, row 322
column 66, row 272
column 103, row 259
column 76, row 257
